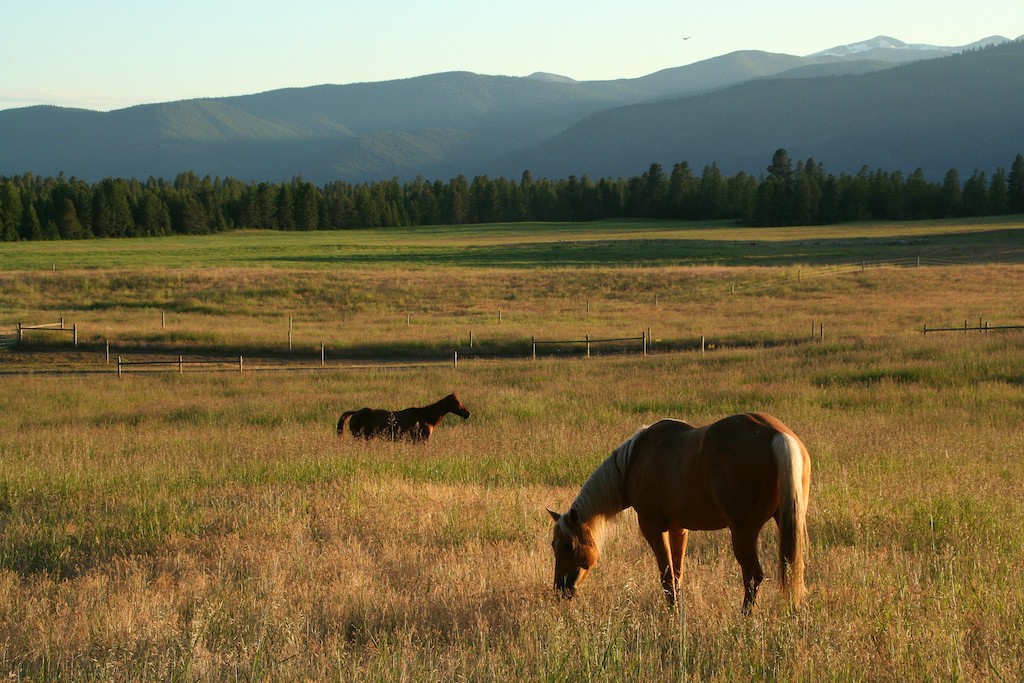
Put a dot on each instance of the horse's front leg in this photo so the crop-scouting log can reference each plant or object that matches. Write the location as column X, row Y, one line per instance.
column 658, row 539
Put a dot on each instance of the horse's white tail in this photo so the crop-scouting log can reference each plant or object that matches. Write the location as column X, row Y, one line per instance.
column 792, row 517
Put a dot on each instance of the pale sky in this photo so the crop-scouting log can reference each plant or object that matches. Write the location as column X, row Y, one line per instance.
column 109, row 54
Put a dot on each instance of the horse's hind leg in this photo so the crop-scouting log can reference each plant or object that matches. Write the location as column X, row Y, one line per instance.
column 744, row 546
column 677, row 543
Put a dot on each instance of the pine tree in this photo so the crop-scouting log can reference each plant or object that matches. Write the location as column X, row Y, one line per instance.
column 10, row 211
column 68, row 224
column 31, row 228
column 1015, row 186
column 975, row 195
column 307, row 207
column 998, row 202
column 682, row 193
column 951, row 196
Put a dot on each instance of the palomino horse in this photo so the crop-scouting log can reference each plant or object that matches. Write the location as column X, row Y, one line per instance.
column 415, row 424
column 738, row 473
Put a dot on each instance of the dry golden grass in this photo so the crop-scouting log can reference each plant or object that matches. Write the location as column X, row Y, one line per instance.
column 429, row 313
column 211, row 526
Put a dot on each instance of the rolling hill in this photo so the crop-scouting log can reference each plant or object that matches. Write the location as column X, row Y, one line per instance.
column 848, row 105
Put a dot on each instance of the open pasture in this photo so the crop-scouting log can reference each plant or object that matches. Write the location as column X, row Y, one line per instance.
column 211, row 526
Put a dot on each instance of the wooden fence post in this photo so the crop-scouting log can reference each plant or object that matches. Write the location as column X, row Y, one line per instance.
column 119, row 366
column 588, row 338
column 471, row 339
column 644, row 335
column 180, row 365
column 74, row 332
column 455, row 363
column 108, row 351
column 703, row 346
column 21, row 334
column 323, row 355
column 239, row 363
column 534, row 340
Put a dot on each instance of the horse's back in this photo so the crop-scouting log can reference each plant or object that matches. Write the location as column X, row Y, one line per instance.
column 703, row 477
column 734, row 438
column 745, row 431
column 368, row 422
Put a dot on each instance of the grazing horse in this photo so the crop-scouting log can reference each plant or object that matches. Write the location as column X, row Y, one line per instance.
column 415, row 424
column 738, row 473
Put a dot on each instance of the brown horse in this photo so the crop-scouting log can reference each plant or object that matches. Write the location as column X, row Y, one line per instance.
column 738, row 473
column 415, row 424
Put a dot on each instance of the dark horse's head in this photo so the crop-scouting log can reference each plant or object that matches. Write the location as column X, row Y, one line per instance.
column 454, row 405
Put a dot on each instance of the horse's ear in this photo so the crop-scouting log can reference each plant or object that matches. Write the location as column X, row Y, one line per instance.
column 554, row 515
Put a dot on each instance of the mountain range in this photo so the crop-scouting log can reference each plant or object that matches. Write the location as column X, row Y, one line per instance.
column 881, row 103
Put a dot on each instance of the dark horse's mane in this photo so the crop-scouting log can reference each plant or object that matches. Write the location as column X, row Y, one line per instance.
column 415, row 424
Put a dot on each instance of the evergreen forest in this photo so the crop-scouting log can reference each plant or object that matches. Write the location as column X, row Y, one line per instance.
column 787, row 193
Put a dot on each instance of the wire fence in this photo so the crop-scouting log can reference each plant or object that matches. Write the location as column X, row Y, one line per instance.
column 585, row 346
column 983, row 326
column 587, row 343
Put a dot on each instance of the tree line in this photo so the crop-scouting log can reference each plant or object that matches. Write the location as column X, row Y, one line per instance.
column 788, row 193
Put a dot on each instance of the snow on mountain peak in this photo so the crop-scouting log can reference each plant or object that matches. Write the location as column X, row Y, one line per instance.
column 893, row 45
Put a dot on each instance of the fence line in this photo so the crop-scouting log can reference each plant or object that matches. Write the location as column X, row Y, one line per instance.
column 180, row 363
column 48, row 327
column 982, row 326
column 240, row 366
column 587, row 341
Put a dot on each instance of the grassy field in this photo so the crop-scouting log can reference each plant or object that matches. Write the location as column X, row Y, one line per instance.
column 207, row 526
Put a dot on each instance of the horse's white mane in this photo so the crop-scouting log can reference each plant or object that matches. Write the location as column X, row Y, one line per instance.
column 603, row 494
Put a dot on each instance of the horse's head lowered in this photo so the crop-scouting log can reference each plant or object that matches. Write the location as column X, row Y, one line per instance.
column 454, row 405
column 575, row 551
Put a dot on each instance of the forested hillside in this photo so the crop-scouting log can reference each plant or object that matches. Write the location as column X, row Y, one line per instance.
column 962, row 111
column 954, row 112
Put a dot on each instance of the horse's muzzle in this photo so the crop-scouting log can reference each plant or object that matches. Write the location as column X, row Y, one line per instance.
column 565, row 586
column 564, row 593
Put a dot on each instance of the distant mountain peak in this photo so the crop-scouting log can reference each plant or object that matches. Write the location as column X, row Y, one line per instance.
column 551, row 78
column 892, row 45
